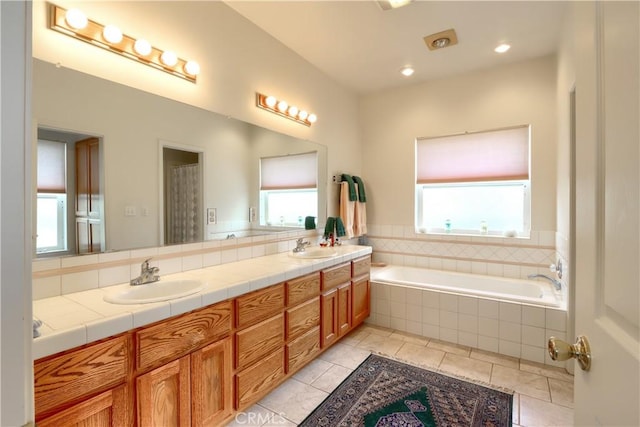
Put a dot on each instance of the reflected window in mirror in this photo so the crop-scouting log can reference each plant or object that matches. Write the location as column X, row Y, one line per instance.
column 51, row 197
column 288, row 189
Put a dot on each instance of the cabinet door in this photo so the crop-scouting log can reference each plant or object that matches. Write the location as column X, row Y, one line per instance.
column 361, row 304
column 108, row 409
column 164, row 395
column 344, row 309
column 211, row 379
column 329, row 317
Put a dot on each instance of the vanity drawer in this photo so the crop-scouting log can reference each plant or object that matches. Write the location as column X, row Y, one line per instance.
column 258, row 341
column 259, row 305
column 69, row 377
column 303, row 349
column 174, row 338
column 361, row 266
column 334, row 276
column 253, row 383
column 303, row 288
column 302, row 318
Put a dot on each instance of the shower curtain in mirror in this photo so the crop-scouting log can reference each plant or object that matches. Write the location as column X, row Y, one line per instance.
column 184, row 208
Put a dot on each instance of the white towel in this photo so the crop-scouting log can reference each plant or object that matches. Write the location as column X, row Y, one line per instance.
column 347, row 210
column 360, row 217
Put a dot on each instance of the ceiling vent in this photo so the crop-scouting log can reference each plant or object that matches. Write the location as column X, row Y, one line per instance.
column 441, row 40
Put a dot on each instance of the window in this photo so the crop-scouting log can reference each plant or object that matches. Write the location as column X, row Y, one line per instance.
column 51, row 203
column 474, row 183
column 288, row 189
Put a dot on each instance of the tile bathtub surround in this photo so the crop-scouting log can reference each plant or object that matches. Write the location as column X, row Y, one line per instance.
column 60, row 276
column 512, row 329
column 487, row 255
column 81, row 317
column 543, row 395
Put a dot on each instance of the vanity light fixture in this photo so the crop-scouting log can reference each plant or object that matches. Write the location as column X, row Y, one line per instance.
column 282, row 108
column 75, row 24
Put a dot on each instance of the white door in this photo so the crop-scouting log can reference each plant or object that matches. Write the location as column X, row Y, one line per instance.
column 607, row 221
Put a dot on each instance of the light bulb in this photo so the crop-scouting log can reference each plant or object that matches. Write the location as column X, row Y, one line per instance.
column 270, row 101
column 192, row 68
column 292, row 111
column 407, row 71
column 76, row 19
column 169, row 58
column 302, row 115
column 142, row 47
column 312, row 118
column 112, row 34
column 502, row 48
column 282, row 106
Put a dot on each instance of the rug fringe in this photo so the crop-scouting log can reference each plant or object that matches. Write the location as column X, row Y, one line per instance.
column 445, row 373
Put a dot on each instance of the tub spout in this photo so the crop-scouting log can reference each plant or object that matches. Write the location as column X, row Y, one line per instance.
column 556, row 283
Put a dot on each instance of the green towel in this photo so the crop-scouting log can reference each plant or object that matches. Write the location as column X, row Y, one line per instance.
column 310, row 223
column 340, row 231
column 329, row 227
column 353, row 196
column 361, row 195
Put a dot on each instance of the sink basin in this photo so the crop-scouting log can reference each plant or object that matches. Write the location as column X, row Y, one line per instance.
column 154, row 292
column 315, row 252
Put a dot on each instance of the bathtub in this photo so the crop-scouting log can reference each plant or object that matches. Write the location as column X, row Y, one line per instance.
column 507, row 316
column 499, row 288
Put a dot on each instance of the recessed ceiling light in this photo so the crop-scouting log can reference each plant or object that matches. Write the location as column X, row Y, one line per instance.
column 407, row 71
column 392, row 4
column 441, row 40
column 502, row 48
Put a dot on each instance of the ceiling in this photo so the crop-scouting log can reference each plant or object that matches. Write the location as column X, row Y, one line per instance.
column 363, row 48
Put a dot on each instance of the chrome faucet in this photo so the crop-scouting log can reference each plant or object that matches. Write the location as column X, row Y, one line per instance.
column 147, row 274
column 556, row 283
column 300, row 245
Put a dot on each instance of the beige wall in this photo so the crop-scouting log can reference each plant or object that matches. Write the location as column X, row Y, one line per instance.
column 522, row 93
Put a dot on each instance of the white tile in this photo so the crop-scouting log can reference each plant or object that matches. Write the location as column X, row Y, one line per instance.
column 414, row 296
column 211, row 258
column 431, row 316
column 170, row 266
column 467, row 305
column 489, row 309
column 510, row 332
column 494, row 269
column 489, row 327
column 398, row 309
column 449, row 335
column 44, row 264
column 186, row 304
column 468, row 339
column 78, row 282
column 151, row 313
column 382, row 307
column 46, row 287
column 479, row 268
column 533, row 316
column 431, row 299
column 192, row 262
column 113, row 275
column 414, row 327
column 106, row 327
column 509, row 348
column 59, row 341
column 398, row 324
column 448, row 319
column 488, row 343
column 398, row 294
column 533, row 336
column 114, row 256
column 510, row 312
column 76, row 261
column 510, row 270
column 534, row 354
column 228, row 255
column 414, row 313
column 383, row 320
column 463, row 266
column 293, row 400
column 556, row 319
column 449, row 302
column 468, row 323
column 430, row 331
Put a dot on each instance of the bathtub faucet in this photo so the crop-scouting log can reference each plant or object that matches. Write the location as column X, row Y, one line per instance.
column 556, row 283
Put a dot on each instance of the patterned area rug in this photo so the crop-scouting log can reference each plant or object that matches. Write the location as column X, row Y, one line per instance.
column 384, row 392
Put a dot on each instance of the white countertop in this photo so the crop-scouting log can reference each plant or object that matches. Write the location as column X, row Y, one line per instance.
column 79, row 318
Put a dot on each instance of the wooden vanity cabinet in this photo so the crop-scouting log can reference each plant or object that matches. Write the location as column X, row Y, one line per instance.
column 87, row 385
column 302, row 321
column 360, row 290
column 196, row 388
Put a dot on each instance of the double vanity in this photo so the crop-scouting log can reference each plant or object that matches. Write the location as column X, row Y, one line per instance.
column 198, row 355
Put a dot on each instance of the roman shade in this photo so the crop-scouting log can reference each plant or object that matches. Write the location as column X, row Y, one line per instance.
column 295, row 171
column 497, row 155
column 52, row 167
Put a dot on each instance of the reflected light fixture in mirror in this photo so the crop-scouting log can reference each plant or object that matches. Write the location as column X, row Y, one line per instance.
column 75, row 23
column 282, row 108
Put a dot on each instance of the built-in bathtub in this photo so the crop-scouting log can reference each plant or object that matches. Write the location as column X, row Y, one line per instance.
column 507, row 316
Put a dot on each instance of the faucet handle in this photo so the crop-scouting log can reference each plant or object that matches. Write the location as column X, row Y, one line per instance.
column 145, row 264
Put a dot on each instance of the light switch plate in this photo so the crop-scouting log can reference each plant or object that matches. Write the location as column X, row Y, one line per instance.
column 252, row 214
column 212, row 216
column 130, row 211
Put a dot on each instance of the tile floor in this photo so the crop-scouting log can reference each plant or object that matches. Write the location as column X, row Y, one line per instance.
column 543, row 395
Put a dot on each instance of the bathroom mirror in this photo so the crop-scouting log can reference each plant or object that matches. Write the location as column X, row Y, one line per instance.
column 134, row 126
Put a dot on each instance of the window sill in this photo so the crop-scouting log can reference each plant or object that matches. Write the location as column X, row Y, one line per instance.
column 469, row 233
